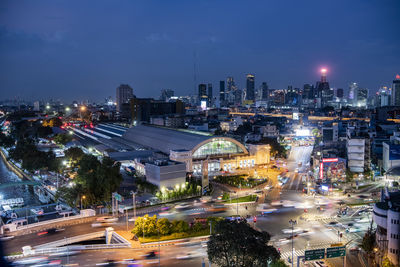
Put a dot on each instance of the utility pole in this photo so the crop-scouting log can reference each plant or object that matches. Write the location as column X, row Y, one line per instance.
column 292, row 223
column 134, row 204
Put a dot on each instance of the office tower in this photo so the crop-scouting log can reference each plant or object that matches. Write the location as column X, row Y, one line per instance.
column 124, row 93
column 36, row 106
column 233, row 94
column 353, row 93
column 250, row 87
column 166, row 94
column 264, row 91
column 362, row 96
column 396, row 91
column 383, row 97
column 291, row 96
column 308, row 91
column 202, row 95
column 323, row 89
column 339, row 93
column 222, row 93
column 210, row 95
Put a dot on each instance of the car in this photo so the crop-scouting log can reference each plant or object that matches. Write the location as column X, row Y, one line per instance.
column 182, row 206
column 6, row 237
column 151, row 255
column 102, row 224
column 107, row 219
column 185, row 256
column 331, row 224
column 50, row 231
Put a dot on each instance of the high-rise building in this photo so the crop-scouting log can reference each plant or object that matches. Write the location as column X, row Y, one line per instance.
column 396, row 91
column 202, row 95
column 36, row 106
column 210, row 95
column 308, row 91
column 264, row 91
column 250, row 87
column 222, row 93
column 362, row 96
column 166, row 94
column 323, row 89
column 339, row 93
column 292, row 96
column 353, row 93
column 124, row 93
column 383, row 97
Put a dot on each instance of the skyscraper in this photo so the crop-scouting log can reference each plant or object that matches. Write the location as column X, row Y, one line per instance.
column 396, row 91
column 264, row 91
column 250, row 87
column 362, row 96
column 383, row 97
column 323, row 89
column 222, row 93
column 353, row 93
column 124, row 93
column 339, row 93
column 210, row 95
column 202, row 95
column 308, row 91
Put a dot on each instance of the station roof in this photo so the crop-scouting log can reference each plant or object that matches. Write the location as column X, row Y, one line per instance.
column 164, row 139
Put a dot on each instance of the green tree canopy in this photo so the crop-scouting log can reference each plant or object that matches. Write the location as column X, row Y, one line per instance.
column 237, row 244
column 74, row 153
column 6, row 140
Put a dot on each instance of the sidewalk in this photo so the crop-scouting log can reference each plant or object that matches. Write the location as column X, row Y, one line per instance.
column 129, row 237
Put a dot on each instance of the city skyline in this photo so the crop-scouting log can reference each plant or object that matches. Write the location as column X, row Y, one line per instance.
column 54, row 51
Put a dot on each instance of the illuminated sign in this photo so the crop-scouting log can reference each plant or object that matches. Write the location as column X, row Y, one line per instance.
column 330, row 160
column 321, row 170
column 325, row 188
column 203, row 105
column 295, row 116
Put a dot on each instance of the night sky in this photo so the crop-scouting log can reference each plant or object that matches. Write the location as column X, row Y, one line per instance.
column 84, row 49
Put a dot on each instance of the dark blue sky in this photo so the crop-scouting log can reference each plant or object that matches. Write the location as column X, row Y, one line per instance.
column 85, row 49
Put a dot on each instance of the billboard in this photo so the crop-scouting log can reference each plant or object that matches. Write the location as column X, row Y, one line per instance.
column 333, row 168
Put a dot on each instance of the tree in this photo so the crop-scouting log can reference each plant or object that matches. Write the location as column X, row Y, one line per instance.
column 145, row 224
column 368, row 243
column 164, row 226
column 74, row 154
column 179, row 226
column 237, row 244
column 276, row 148
column 62, row 138
column 6, row 140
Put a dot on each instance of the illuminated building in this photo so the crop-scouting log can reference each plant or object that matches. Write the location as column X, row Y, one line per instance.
column 194, row 149
column 124, row 93
column 396, row 91
column 222, row 93
column 250, row 95
column 323, row 90
column 202, row 94
column 353, row 93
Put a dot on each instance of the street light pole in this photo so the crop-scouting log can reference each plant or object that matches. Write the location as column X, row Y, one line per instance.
column 292, row 223
column 134, row 204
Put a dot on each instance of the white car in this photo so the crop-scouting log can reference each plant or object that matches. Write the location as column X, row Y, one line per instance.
column 107, row 219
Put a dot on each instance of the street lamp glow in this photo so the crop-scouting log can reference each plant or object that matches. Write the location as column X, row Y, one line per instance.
column 47, row 107
column 67, row 109
column 83, row 108
column 64, row 162
column 71, row 132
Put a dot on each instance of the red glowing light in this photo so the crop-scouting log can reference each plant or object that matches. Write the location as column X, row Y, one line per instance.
column 397, row 77
column 323, row 71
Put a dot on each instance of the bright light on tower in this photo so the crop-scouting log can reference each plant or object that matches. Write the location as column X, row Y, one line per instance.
column 83, row 108
column 323, row 70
